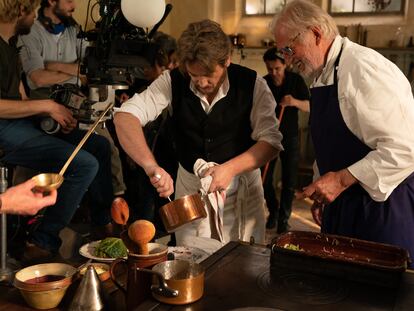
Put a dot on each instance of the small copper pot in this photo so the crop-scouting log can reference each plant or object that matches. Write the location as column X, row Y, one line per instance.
column 177, row 282
column 182, row 211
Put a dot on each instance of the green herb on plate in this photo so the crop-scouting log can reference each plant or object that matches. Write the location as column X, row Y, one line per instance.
column 111, row 248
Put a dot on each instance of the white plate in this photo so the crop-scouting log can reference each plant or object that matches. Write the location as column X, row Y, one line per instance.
column 88, row 251
column 188, row 253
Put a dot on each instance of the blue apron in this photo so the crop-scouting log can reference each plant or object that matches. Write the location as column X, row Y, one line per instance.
column 354, row 213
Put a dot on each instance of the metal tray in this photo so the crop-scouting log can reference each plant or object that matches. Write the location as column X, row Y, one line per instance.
column 338, row 256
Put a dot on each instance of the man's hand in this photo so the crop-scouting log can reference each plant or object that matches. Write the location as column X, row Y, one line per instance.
column 63, row 116
column 288, row 101
column 328, row 187
column 22, row 200
column 317, row 212
column 222, row 177
column 161, row 180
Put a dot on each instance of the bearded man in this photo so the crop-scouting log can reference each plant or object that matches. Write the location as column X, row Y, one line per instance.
column 222, row 113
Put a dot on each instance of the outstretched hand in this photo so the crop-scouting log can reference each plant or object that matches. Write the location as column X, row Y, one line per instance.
column 328, row 187
column 22, row 200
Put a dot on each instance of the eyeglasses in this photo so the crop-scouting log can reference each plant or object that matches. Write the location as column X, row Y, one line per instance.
column 287, row 50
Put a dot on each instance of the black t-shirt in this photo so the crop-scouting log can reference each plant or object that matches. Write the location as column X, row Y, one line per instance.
column 295, row 86
column 10, row 69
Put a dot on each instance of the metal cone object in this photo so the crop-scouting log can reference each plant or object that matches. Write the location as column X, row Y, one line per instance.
column 88, row 296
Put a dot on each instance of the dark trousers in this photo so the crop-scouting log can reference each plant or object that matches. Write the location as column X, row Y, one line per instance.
column 28, row 146
column 289, row 163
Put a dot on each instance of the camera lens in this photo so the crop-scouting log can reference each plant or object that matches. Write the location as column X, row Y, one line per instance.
column 50, row 126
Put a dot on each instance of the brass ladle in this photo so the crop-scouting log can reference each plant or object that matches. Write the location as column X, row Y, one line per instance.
column 51, row 181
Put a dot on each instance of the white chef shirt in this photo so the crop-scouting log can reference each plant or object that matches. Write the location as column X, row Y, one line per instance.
column 149, row 104
column 377, row 105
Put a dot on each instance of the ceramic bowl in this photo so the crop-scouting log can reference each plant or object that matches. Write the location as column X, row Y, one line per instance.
column 43, row 286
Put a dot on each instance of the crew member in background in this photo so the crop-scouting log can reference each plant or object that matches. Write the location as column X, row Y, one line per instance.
column 142, row 197
column 362, row 125
column 221, row 113
column 50, row 55
column 290, row 92
column 25, row 144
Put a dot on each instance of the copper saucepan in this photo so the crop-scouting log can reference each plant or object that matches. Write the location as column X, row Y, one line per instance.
column 182, row 211
column 177, row 282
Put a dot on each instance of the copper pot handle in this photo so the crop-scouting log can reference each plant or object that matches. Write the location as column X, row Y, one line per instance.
column 112, row 273
column 162, row 289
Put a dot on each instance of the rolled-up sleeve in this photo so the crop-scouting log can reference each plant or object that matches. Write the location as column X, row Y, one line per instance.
column 149, row 104
column 263, row 117
column 31, row 52
column 378, row 107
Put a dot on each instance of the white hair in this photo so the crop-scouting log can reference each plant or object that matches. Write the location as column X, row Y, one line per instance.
column 299, row 15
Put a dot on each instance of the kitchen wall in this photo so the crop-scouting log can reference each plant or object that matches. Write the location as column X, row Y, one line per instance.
column 229, row 14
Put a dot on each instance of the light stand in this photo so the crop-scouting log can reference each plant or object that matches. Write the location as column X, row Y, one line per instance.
column 5, row 272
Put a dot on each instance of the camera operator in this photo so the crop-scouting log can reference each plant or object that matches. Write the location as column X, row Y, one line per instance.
column 143, row 200
column 24, row 144
column 50, row 55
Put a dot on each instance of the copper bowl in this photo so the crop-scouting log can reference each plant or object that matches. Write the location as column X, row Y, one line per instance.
column 182, row 211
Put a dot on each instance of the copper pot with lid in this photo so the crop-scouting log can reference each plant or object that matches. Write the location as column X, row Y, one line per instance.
column 182, row 211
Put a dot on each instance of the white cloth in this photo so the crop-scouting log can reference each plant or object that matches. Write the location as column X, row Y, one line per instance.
column 214, row 201
column 243, row 211
column 147, row 105
column 377, row 105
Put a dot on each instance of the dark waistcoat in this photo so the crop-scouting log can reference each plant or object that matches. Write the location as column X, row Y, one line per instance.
column 223, row 133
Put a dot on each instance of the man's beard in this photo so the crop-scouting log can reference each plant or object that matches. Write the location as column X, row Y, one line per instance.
column 217, row 86
column 305, row 69
column 67, row 20
column 22, row 28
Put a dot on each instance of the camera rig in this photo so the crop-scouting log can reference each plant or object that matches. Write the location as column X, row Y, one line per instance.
column 121, row 50
column 118, row 54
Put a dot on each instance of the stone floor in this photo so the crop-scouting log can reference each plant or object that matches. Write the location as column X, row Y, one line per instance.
column 301, row 219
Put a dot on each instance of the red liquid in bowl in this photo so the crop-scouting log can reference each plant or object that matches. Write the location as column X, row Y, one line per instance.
column 45, row 278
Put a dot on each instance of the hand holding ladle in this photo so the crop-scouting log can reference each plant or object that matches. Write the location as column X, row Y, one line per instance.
column 158, row 176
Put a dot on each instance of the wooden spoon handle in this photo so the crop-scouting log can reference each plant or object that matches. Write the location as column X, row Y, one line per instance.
column 143, row 249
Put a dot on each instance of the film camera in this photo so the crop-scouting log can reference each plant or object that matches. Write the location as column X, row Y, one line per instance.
column 120, row 50
column 72, row 98
column 118, row 53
